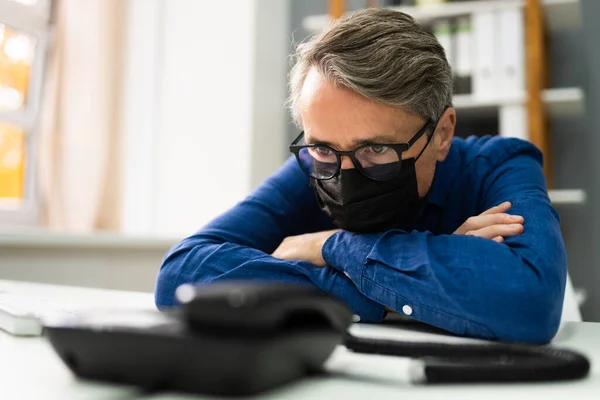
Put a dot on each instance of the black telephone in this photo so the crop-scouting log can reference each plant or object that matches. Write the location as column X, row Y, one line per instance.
column 242, row 338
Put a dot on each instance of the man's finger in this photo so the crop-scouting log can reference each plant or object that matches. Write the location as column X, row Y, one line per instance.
column 500, row 208
column 490, row 232
column 481, row 221
column 498, row 239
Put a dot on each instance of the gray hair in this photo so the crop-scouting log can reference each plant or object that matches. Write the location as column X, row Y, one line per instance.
column 383, row 55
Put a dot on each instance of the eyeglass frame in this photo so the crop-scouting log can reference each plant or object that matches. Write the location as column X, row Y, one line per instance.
column 399, row 148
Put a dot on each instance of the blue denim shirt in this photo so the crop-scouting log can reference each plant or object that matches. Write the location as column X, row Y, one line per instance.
column 467, row 285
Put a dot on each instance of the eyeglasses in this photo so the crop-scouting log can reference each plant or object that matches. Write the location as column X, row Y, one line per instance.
column 376, row 161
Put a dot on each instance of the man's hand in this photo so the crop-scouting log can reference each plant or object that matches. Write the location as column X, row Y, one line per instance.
column 493, row 224
column 304, row 247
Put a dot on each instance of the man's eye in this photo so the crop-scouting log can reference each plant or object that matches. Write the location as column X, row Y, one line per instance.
column 324, row 151
column 378, row 148
column 321, row 153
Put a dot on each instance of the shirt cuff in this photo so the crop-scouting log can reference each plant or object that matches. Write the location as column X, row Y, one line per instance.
column 347, row 252
column 368, row 311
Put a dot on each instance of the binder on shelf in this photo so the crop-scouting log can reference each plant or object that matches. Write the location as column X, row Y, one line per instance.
column 428, row 3
column 443, row 32
column 463, row 55
column 511, row 52
column 485, row 72
column 513, row 121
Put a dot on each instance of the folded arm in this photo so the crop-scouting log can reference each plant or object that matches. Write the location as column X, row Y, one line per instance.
column 237, row 245
column 465, row 284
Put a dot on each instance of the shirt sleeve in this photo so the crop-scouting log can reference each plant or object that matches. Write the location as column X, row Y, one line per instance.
column 238, row 244
column 511, row 291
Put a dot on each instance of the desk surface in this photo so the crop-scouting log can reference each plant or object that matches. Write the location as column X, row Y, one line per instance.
column 29, row 369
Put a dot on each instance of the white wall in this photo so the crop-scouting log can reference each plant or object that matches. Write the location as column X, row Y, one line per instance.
column 199, row 77
column 141, row 71
column 203, row 108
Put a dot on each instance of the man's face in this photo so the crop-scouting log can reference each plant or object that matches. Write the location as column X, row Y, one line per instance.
column 344, row 119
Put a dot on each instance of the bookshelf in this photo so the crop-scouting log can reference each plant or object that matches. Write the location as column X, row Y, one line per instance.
column 567, row 196
column 559, row 14
column 559, row 102
column 564, row 101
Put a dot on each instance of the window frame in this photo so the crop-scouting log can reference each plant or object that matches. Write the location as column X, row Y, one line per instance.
column 35, row 21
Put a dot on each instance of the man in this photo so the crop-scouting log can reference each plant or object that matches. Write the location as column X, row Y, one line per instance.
column 383, row 208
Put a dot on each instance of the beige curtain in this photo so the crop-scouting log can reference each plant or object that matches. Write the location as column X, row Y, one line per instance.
column 79, row 147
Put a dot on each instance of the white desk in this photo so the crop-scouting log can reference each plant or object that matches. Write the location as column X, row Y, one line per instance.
column 29, row 369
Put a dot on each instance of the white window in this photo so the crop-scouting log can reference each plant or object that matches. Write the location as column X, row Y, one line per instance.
column 25, row 30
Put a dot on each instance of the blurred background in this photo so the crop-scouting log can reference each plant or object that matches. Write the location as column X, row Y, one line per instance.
column 126, row 125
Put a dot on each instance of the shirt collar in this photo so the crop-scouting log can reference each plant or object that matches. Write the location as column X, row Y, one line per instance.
column 445, row 174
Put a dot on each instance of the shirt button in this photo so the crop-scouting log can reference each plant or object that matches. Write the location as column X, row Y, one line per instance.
column 406, row 309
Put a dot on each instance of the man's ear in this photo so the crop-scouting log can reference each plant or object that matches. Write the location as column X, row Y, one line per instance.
column 445, row 132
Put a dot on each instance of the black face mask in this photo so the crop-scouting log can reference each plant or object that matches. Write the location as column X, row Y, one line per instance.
column 358, row 204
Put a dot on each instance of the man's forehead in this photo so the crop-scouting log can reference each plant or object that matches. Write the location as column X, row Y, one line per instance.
column 339, row 116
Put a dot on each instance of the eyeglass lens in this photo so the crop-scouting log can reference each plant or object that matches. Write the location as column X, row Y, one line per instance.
column 376, row 161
